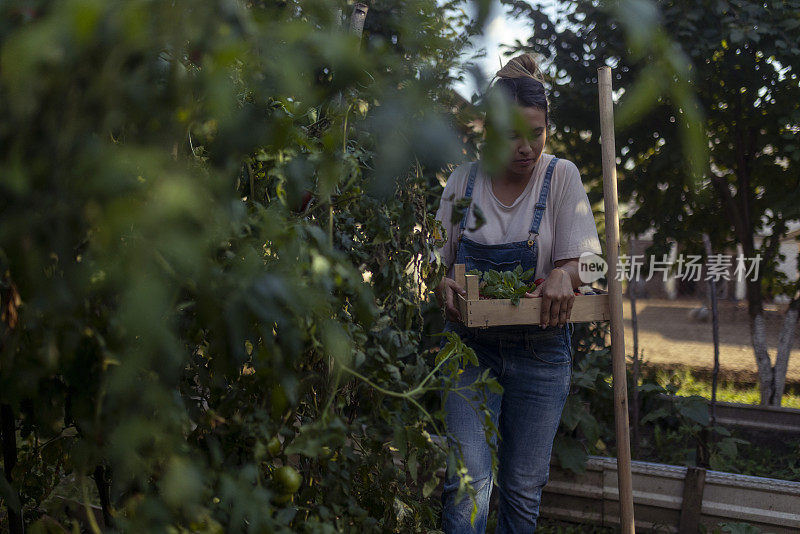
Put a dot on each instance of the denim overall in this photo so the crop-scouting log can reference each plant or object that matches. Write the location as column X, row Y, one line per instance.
column 534, row 366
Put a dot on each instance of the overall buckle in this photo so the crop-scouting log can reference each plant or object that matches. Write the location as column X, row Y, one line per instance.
column 531, row 237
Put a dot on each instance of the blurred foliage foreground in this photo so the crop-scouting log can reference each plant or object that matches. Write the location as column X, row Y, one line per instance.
column 213, row 220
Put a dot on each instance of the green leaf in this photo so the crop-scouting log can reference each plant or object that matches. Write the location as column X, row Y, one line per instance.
column 654, row 415
column 571, row 454
column 651, row 387
column 571, row 414
column 494, row 386
column 640, row 98
column 480, row 218
column 590, row 427
column 429, row 486
column 413, row 465
column 695, row 409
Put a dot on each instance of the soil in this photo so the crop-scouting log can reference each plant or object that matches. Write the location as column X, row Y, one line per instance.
column 670, row 338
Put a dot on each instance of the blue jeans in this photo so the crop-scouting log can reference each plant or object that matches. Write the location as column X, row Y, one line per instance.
column 534, row 366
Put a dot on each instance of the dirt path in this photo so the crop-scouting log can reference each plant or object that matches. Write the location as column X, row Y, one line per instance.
column 669, row 337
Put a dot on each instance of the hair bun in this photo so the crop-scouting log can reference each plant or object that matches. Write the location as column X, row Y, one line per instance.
column 521, row 66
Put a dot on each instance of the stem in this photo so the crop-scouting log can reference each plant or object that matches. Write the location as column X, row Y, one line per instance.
column 344, row 128
column 408, row 395
column 375, row 386
column 330, row 222
column 89, row 512
column 104, row 491
column 404, row 395
column 252, row 182
column 335, row 388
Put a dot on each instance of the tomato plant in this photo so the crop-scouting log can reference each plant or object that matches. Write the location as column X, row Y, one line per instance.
column 214, row 234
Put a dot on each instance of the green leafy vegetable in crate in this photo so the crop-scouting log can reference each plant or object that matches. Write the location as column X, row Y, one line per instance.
column 506, row 284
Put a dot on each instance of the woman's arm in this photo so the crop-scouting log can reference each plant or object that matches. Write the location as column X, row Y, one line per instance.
column 575, row 232
column 570, row 265
column 447, row 287
column 557, row 292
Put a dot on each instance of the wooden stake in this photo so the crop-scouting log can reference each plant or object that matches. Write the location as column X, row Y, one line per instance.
column 615, row 301
column 692, row 505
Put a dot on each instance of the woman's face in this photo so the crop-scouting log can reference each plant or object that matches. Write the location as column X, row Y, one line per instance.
column 526, row 147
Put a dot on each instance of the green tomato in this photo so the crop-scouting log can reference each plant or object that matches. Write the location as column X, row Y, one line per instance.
column 274, row 446
column 287, row 479
column 279, row 402
column 283, row 498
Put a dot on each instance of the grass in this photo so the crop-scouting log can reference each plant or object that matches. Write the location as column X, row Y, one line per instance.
column 690, row 384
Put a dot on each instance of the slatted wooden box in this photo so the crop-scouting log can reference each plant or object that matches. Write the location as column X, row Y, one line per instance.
column 477, row 312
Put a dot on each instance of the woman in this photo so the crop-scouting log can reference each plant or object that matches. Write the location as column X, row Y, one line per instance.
column 537, row 215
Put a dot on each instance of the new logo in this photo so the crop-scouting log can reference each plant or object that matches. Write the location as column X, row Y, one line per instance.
column 591, row 267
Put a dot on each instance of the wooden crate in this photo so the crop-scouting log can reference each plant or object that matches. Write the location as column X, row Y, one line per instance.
column 476, row 312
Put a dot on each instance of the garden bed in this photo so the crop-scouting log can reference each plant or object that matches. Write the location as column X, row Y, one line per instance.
column 658, row 491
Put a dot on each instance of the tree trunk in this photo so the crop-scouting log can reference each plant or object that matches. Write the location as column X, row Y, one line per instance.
column 712, row 289
column 738, row 209
column 766, row 378
column 785, row 342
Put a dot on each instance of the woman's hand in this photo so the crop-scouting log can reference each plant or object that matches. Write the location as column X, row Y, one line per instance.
column 445, row 295
column 557, row 298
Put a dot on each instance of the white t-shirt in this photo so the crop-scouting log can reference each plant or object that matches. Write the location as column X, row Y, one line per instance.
column 566, row 230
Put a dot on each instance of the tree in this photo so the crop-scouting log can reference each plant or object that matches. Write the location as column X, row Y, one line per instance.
column 736, row 60
column 180, row 321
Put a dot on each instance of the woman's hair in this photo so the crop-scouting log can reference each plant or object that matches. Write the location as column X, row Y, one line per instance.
column 521, row 79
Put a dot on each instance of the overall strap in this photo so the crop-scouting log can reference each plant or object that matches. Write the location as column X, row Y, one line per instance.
column 468, row 193
column 538, row 212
